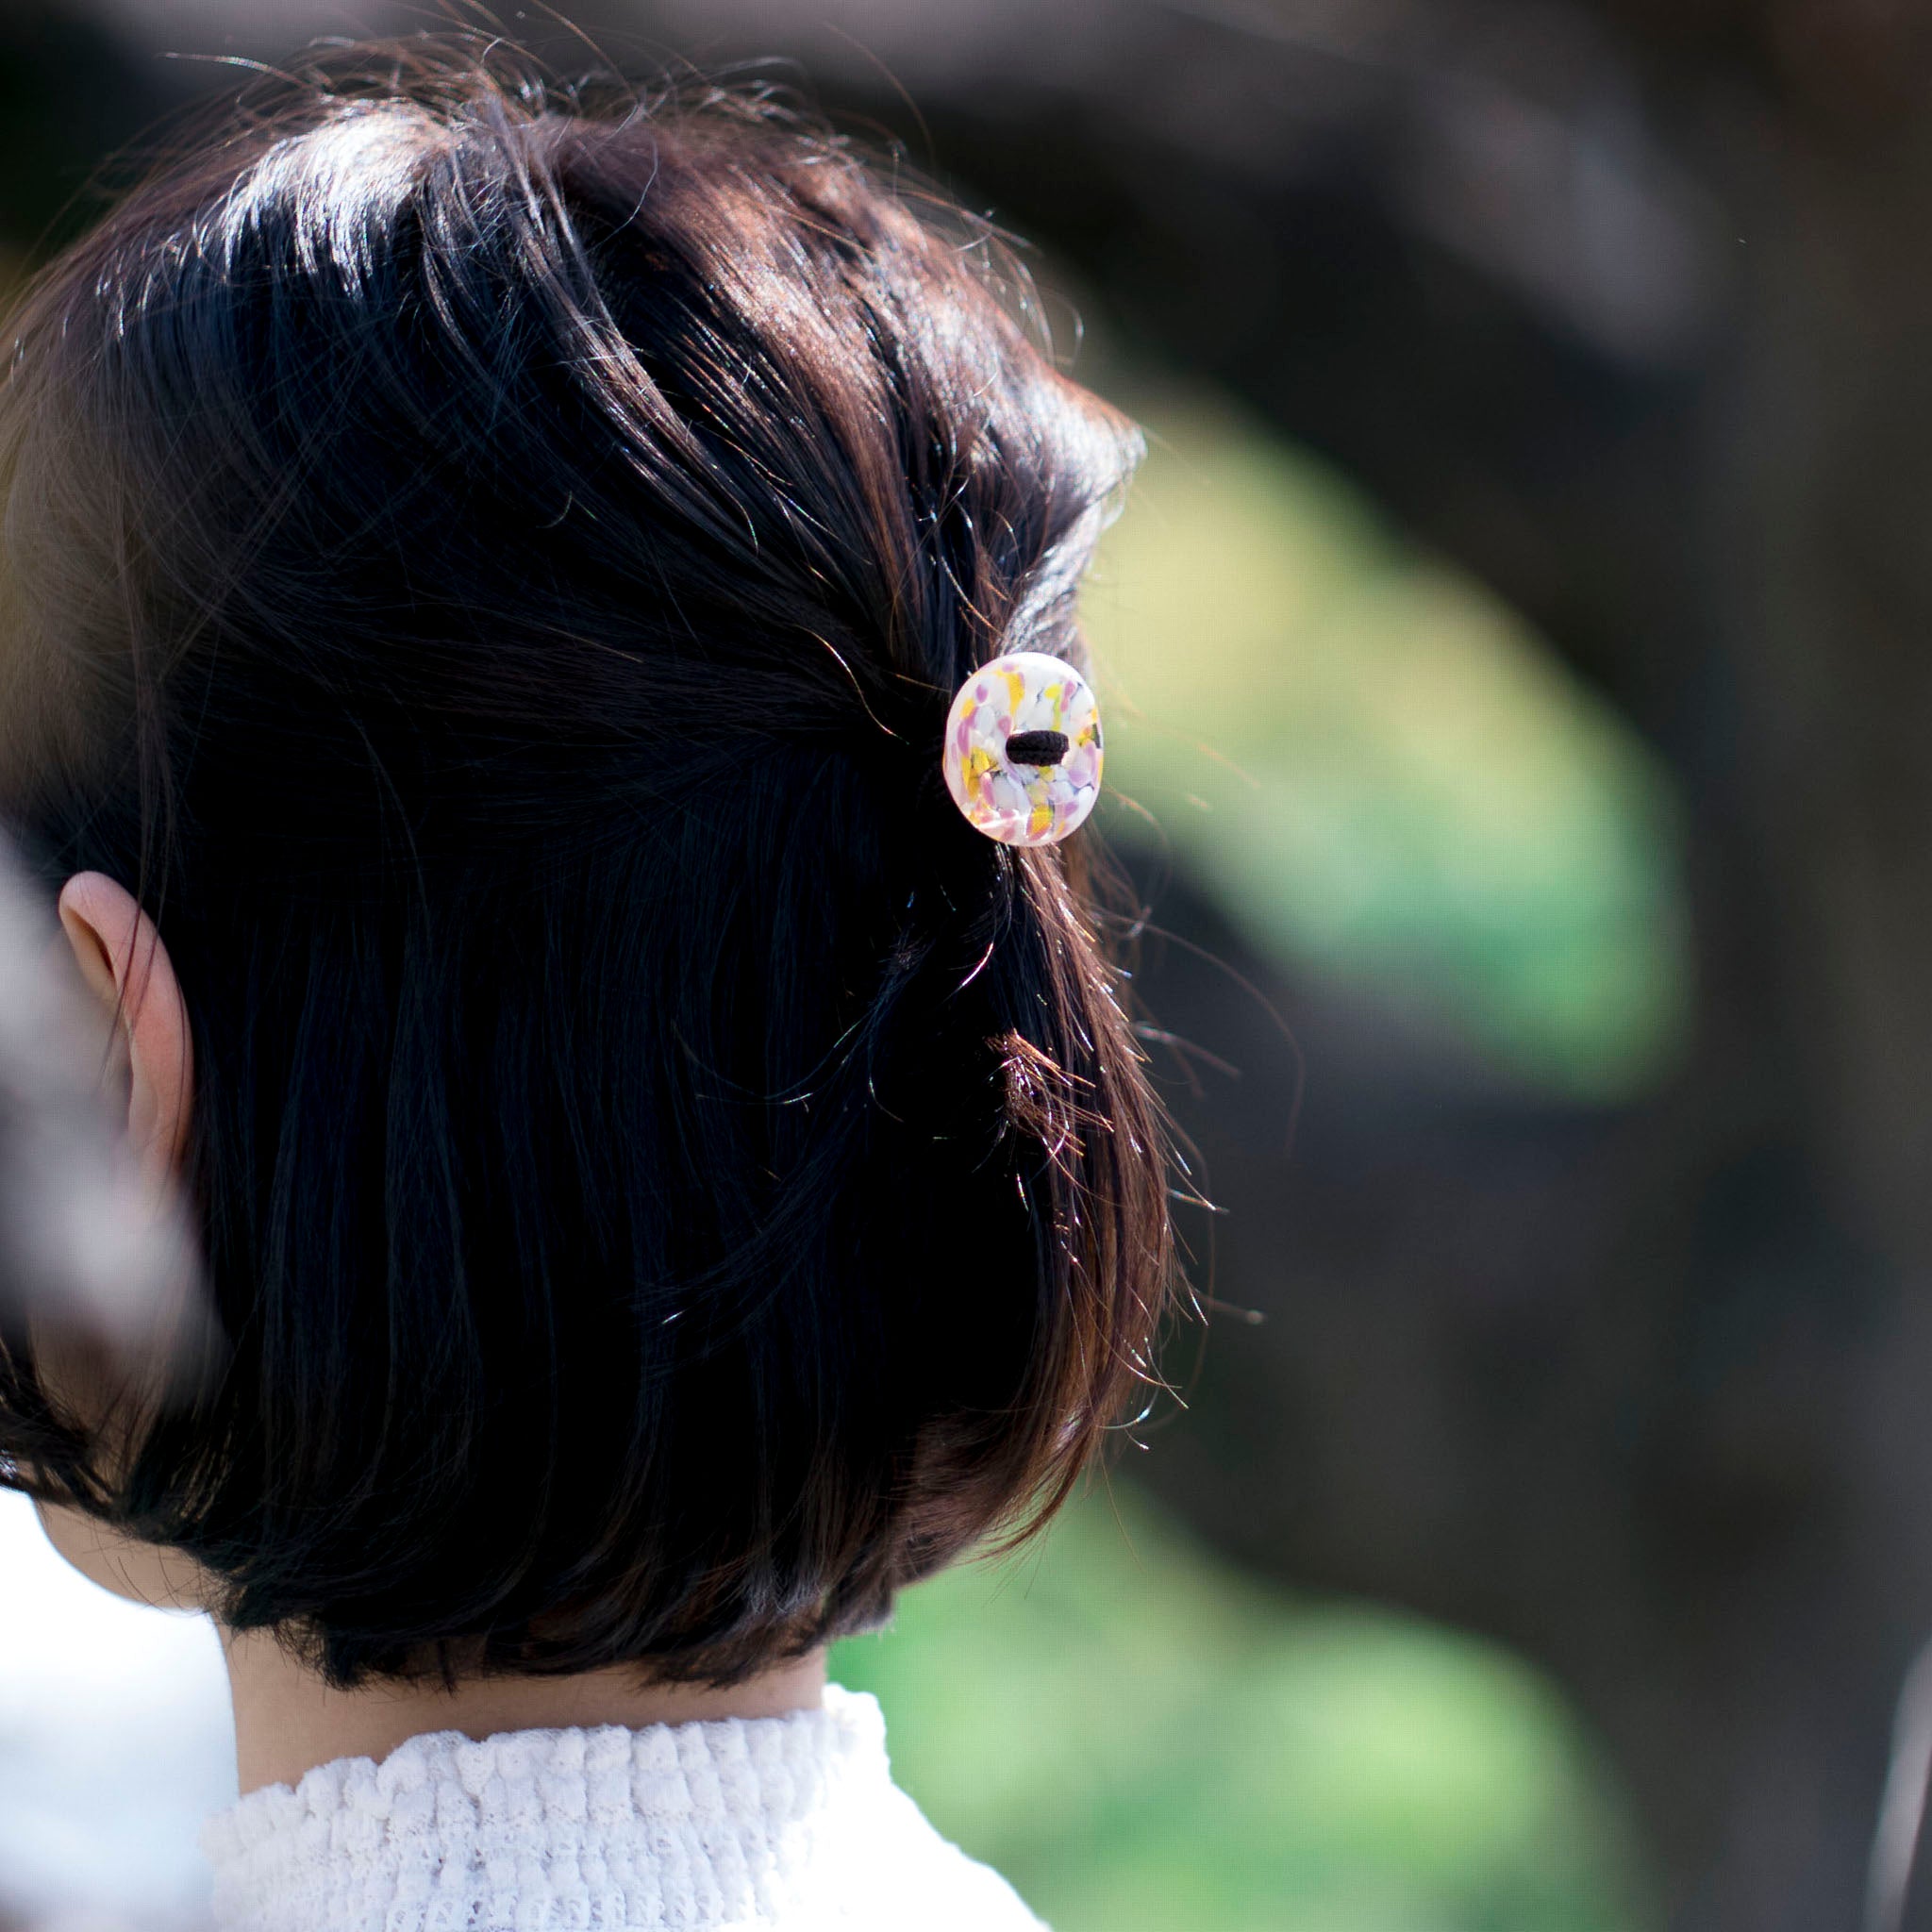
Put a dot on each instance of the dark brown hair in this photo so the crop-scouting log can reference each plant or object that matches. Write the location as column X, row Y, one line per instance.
column 488, row 563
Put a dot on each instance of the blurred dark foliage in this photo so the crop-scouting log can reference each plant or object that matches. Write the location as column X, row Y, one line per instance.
column 1627, row 308
column 1853, row 62
column 73, row 93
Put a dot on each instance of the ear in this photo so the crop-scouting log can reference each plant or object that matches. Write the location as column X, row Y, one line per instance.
column 128, row 970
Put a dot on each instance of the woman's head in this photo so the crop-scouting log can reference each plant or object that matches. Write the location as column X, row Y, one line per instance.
column 489, row 572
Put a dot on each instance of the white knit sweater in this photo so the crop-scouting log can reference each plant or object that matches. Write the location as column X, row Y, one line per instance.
column 791, row 1822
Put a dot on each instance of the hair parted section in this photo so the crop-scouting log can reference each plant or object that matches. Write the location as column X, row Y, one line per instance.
column 488, row 563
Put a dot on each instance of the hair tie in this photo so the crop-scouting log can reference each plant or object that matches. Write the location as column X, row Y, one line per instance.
column 1022, row 755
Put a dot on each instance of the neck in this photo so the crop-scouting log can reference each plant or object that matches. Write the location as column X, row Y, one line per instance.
column 288, row 1721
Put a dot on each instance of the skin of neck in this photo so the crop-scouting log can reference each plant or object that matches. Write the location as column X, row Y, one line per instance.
column 287, row 1719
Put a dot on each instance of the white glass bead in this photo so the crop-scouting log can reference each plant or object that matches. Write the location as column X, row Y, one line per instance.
column 1019, row 802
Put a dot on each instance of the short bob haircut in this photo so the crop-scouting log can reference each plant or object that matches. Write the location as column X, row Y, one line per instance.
column 487, row 562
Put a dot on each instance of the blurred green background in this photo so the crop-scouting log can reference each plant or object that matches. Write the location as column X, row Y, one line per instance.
column 1389, row 778
column 1386, row 773
column 1142, row 1740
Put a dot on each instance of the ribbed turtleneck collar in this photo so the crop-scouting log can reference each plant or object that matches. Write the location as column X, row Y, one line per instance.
column 789, row 1822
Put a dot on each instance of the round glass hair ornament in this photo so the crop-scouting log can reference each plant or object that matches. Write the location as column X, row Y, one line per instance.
column 1022, row 755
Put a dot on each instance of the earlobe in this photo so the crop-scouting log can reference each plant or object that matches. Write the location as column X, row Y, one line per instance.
column 128, row 970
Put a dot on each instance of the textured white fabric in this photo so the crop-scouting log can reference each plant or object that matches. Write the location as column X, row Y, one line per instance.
column 791, row 1822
